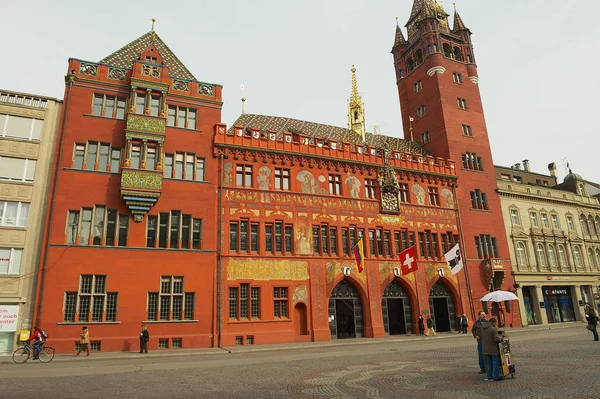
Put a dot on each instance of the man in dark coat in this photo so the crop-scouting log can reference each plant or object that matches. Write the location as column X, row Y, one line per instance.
column 490, row 339
column 144, row 338
column 477, row 335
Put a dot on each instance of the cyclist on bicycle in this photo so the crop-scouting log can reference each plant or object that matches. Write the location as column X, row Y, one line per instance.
column 38, row 341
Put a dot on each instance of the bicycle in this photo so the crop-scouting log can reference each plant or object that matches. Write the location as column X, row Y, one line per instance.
column 21, row 355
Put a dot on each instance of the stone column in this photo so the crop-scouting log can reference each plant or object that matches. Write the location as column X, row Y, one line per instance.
column 522, row 306
column 159, row 157
column 576, row 297
column 132, row 99
column 537, row 296
column 148, row 101
column 163, row 105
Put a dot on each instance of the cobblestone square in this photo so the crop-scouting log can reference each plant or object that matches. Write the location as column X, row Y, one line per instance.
column 550, row 363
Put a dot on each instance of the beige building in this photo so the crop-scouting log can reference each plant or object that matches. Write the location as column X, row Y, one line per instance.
column 554, row 236
column 28, row 130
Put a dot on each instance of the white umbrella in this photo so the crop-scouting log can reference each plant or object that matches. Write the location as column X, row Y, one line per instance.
column 499, row 296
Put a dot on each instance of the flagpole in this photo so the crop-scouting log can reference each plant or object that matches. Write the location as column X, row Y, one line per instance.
column 464, row 256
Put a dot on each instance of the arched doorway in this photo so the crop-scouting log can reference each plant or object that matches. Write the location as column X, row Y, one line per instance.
column 396, row 309
column 441, row 306
column 300, row 324
column 345, row 312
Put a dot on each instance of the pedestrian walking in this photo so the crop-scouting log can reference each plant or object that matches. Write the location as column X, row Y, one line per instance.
column 430, row 328
column 476, row 331
column 421, row 325
column 592, row 320
column 144, row 338
column 490, row 339
column 84, row 342
column 464, row 323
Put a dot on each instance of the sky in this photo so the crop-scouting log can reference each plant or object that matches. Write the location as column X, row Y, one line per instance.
column 537, row 61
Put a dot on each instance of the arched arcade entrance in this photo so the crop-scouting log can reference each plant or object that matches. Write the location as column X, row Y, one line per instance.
column 442, row 308
column 345, row 312
column 396, row 309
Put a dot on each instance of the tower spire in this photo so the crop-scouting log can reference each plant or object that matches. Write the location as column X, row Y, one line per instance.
column 356, row 109
column 398, row 37
column 458, row 22
column 153, row 21
column 243, row 100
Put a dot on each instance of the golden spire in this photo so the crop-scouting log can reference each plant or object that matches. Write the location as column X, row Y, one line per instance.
column 243, row 100
column 153, row 21
column 356, row 109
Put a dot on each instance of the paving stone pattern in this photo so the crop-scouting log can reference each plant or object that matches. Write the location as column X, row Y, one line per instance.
column 550, row 364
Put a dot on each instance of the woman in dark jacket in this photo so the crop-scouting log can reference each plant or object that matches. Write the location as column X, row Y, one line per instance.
column 421, row 325
column 592, row 322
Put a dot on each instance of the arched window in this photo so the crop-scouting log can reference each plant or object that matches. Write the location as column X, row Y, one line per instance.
column 591, row 226
column 448, row 50
column 591, row 259
column 551, row 255
column 541, row 255
column 597, row 224
column 597, row 257
column 458, row 54
column 410, row 65
column 521, row 254
column 418, row 57
column 577, row 256
column 562, row 256
column 583, row 221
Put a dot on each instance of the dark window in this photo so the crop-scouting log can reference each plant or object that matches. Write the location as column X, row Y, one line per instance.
column 403, row 192
column 486, row 246
column 478, row 200
column 466, row 129
column 163, row 230
column 282, row 179
column 175, row 226
column 197, row 234
column 280, row 302
column 457, row 77
column 111, row 227
column 425, row 137
column 324, row 240
column 462, row 103
column 471, row 161
column 434, row 198
column 123, row 228
column 370, row 188
column 151, row 232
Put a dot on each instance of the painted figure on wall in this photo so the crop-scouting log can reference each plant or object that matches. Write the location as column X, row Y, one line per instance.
column 419, row 193
column 227, row 175
column 448, row 198
column 309, row 183
column 302, row 233
column 263, row 180
column 354, row 185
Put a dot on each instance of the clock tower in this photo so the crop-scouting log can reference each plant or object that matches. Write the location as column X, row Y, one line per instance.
column 437, row 81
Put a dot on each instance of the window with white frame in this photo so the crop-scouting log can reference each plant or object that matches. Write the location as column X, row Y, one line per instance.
column 514, row 217
column 577, row 256
column 20, row 127
column 14, row 213
column 10, row 260
column 534, row 219
column 570, row 223
column 544, row 218
column 181, row 117
column 551, row 256
column 17, row 169
column 521, row 254
column 97, row 226
column 91, row 303
column 541, row 255
column 172, row 302
column 555, row 223
column 109, row 106
column 562, row 256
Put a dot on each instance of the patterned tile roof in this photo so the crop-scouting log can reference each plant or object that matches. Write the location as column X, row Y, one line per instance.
column 126, row 55
column 399, row 37
column 458, row 23
column 279, row 124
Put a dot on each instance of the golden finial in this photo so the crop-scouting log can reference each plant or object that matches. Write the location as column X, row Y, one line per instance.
column 243, row 100
column 153, row 21
column 454, row 4
column 396, row 21
column 410, row 121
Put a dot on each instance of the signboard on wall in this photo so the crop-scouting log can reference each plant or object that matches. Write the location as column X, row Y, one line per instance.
column 9, row 314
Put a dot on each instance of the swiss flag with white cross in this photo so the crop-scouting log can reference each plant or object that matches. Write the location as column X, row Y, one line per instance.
column 408, row 260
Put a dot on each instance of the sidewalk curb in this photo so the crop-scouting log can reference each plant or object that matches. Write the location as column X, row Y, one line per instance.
column 291, row 346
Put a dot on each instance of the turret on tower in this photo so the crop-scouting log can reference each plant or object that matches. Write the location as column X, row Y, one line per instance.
column 356, row 109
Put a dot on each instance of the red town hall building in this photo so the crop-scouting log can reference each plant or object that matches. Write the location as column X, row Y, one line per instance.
column 133, row 212
column 217, row 236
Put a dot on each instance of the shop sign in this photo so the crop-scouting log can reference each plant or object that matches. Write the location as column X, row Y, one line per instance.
column 556, row 292
column 9, row 315
column 557, row 278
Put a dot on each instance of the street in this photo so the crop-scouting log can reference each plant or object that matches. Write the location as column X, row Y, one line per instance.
column 550, row 363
